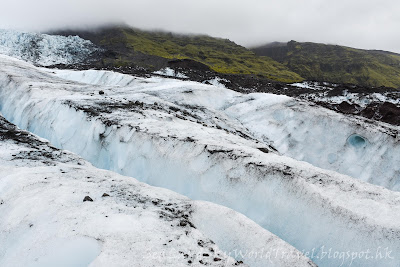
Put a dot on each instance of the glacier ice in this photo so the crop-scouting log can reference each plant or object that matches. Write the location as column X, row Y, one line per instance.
column 297, row 129
column 45, row 50
column 321, row 94
column 171, row 73
column 324, row 138
column 228, row 140
column 46, row 223
column 357, row 141
column 62, row 252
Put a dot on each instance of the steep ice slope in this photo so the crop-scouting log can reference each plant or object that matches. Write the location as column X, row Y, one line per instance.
column 348, row 145
column 95, row 77
column 167, row 133
column 43, row 49
column 46, row 223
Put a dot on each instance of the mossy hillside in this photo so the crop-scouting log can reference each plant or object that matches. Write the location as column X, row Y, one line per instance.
column 337, row 63
column 221, row 55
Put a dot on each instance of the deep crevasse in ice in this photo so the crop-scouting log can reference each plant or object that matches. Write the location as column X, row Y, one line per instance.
column 45, row 222
column 189, row 144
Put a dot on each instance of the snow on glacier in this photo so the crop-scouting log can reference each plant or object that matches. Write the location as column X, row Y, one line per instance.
column 95, row 77
column 43, row 49
column 171, row 73
column 321, row 94
column 46, row 223
column 197, row 140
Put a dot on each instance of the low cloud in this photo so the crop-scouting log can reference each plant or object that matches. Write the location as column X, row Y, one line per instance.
column 368, row 24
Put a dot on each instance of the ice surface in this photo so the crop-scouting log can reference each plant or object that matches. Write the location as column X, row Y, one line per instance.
column 321, row 94
column 357, row 141
column 260, row 250
column 95, row 77
column 43, row 49
column 170, row 72
column 321, row 137
column 214, row 144
column 309, row 85
column 217, row 82
column 78, row 252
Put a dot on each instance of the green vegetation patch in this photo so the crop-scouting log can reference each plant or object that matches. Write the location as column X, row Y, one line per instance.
column 337, row 63
column 221, row 55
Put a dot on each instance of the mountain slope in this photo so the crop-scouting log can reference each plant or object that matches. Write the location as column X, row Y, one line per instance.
column 335, row 63
column 154, row 50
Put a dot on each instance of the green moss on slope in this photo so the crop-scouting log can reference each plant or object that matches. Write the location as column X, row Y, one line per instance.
column 221, row 55
column 337, row 63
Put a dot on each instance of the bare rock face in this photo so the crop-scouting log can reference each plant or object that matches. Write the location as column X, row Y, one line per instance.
column 386, row 112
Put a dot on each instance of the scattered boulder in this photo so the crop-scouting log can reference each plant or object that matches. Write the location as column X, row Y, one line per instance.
column 187, row 64
column 87, row 198
column 348, row 108
column 263, row 149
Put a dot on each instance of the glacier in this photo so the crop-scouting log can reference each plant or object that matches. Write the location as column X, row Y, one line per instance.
column 245, row 152
column 44, row 49
column 297, row 129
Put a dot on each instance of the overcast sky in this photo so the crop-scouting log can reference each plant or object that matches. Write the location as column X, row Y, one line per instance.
column 369, row 24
